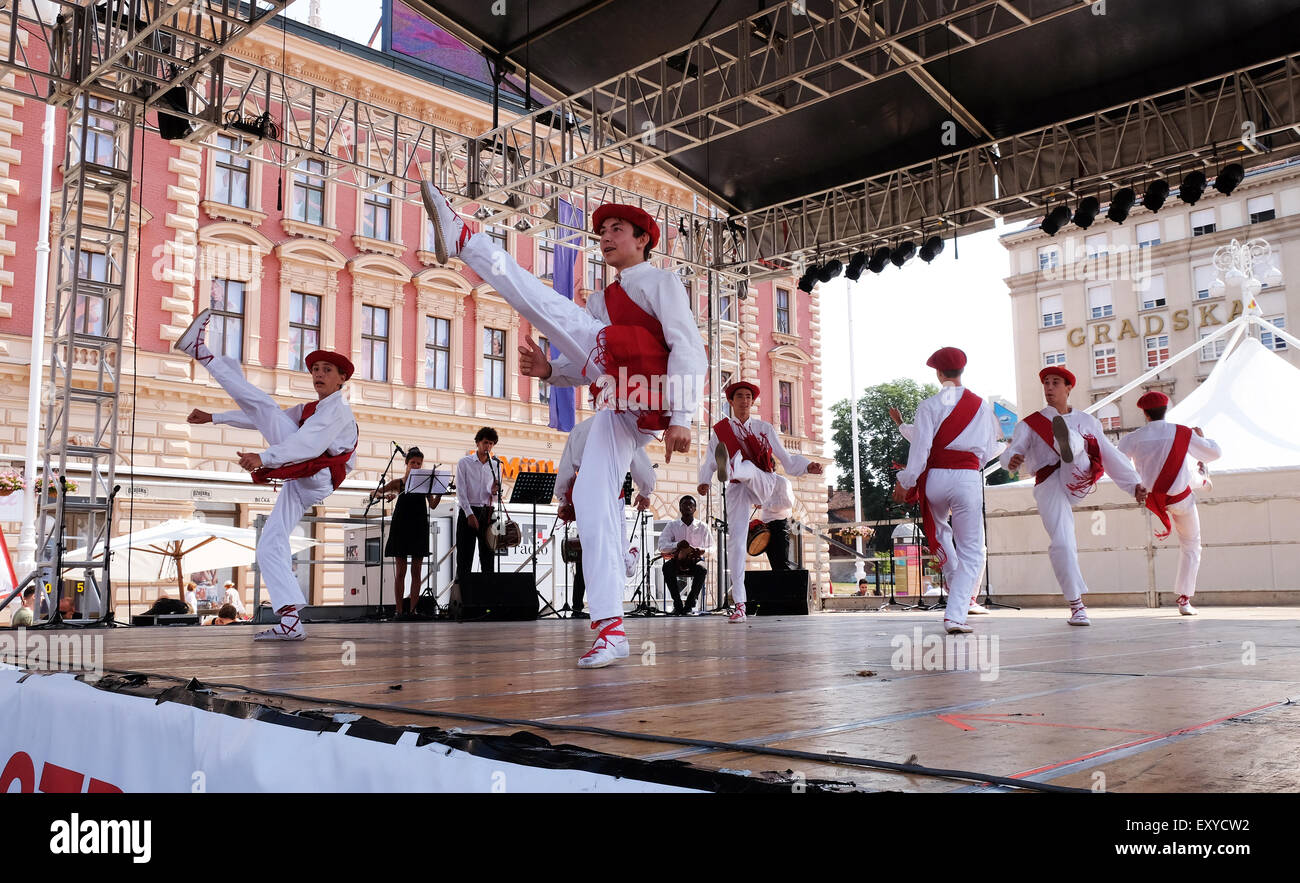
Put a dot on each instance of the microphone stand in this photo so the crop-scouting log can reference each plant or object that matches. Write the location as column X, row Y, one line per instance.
column 383, row 516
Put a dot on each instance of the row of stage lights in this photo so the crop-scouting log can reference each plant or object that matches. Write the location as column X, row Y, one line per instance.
column 875, row 262
column 1122, row 202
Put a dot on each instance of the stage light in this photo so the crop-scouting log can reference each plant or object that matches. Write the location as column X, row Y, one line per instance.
column 879, row 259
column 1087, row 211
column 483, row 213
column 1229, row 177
column 523, row 226
column 808, row 280
column 1055, row 220
column 1193, row 187
column 933, row 246
column 829, row 270
column 1156, row 195
column 857, row 264
column 903, row 253
column 1120, row 204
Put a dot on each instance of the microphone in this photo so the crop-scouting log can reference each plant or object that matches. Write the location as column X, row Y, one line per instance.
column 399, row 449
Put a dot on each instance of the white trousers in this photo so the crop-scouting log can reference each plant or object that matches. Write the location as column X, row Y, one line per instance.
column 295, row 497
column 957, row 492
column 751, row 487
column 1186, row 522
column 614, row 436
column 1056, row 504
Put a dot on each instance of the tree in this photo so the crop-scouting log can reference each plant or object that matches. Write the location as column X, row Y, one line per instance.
column 880, row 445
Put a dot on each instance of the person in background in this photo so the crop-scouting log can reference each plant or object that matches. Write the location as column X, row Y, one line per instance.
column 192, row 597
column 225, row 616
column 230, row 595
column 477, row 486
column 24, row 617
column 408, row 533
column 862, row 587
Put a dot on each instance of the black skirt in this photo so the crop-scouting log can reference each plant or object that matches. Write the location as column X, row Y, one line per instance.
column 408, row 533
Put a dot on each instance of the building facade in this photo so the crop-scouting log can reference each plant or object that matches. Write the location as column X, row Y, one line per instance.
column 1116, row 300
column 295, row 258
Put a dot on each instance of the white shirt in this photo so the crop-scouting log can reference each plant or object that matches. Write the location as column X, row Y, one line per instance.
column 1149, row 448
column 697, row 534
column 1038, row 453
column 474, row 481
column 191, row 599
column 643, row 472
column 232, row 597
column 980, row 437
column 659, row 293
column 794, row 464
column 332, row 429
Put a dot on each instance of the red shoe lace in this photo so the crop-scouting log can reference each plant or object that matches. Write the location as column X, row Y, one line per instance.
column 613, row 627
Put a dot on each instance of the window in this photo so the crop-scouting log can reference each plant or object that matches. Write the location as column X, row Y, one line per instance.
column 546, row 255
column 377, row 210
column 437, row 352
column 1202, row 279
column 1056, row 358
column 307, row 202
column 232, row 174
column 304, row 327
column 494, row 362
column 226, row 330
column 544, row 388
column 724, row 308
column 89, row 316
column 1095, row 246
column 1275, row 342
column 1211, row 351
column 595, row 272
column 1099, row 302
column 1104, row 361
column 1050, row 308
column 1049, row 257
column 374, row 343
column 1260, row 209
column 1157, row 350
column 1203, row 222
column 101, row 133
column 787, row 407
column 726, row 381
column 1109, row 418
column 1148, row 234
column 1153, row 298
column 782, row 311
column 501, row 236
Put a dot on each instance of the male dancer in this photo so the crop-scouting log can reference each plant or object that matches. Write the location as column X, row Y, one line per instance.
column 954, row 435
column 683, row 544
column 476, row 490
column 641, row 333
column 745, row 450
column 1067, row 451
column 1160, row 451
column 313, row 448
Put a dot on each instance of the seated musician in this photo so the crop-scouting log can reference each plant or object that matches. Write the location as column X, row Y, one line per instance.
column 683, row 544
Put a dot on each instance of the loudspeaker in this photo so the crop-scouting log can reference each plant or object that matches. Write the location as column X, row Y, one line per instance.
column 495, row 596
column 777, row 593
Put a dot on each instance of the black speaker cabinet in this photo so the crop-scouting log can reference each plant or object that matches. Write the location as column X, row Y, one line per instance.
column 495, row 596
column 776, row 593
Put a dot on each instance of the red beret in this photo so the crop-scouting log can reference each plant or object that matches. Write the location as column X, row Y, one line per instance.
column 336, row 359
column 733, row 388
column 1060, row 371
column 947, row 359
column 629, row 213
column 1153, row 399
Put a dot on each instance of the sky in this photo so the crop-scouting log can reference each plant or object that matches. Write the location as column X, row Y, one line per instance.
column 899, row 316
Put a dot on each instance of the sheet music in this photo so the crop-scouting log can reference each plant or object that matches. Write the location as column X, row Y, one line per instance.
column 428, row 481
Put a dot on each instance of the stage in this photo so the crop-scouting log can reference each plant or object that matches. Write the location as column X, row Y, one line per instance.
column 1142, row 701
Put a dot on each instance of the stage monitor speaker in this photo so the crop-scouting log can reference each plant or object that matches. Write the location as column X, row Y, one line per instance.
column 495, row 596
column 777, row 593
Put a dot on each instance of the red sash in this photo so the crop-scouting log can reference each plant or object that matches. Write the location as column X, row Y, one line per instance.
column 1158, row 498
column 942, row 458
column 337, row 464
column 1043, row 428
column 632, row 349
column 753, row 447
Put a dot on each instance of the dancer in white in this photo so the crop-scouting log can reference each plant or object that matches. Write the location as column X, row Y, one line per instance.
column 744, row 451
column 312, row 449
column 636, row 341
column 954, row 435
column 1068, row 452
column 1160, row 451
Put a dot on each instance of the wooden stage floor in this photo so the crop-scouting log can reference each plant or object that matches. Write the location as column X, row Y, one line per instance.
column 1144, row 700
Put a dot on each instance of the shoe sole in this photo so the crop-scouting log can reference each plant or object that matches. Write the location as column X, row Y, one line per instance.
column 1187, row 612
column 429, row 194
column 1072, row 622
column 720, row 459
column 617, row 657
column 282, row 640
column 977, row 613
column 1062, row 434
column 191, row 334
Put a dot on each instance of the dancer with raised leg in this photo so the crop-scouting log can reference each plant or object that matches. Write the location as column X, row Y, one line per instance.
column 637, row 341
column 312, row 449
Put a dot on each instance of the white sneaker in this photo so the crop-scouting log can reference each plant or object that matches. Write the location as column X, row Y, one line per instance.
column 193, row 342
column 631, row 560
column 738, row 615
column 978, row 610
column 450, row 232
column 1185, row 606
column 289, row 629
column 1079, row 617
column 1061, row 431
column 611, row 644
column 957, row 628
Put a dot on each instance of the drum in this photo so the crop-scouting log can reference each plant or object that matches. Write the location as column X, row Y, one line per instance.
column 758, row 537
column 502, row 533
column 571, row 550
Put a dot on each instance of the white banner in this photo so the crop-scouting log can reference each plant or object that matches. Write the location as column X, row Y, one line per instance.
column 62, row 735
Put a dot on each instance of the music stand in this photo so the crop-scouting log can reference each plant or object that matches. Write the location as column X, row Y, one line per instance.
column 428, row 482
column 533, row 488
